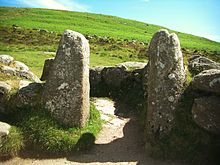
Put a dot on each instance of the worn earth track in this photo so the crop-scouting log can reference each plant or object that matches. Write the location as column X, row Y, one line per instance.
column 119, row 142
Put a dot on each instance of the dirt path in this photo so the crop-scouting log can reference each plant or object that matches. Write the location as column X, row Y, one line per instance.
column 119, row 142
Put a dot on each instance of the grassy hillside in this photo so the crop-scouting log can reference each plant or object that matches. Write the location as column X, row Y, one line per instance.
column 97, row 24
column 112, row 39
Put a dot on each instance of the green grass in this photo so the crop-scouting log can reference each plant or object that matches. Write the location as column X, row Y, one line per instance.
column 11, row 145
column 44, row 134
column 42, row 131
column 95, row 24
column 33, row 59
column 28, row 45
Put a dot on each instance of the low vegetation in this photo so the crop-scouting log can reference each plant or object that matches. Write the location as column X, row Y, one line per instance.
column 36, row 129
column 14, row 142
column 32, row 35
column 94, row 24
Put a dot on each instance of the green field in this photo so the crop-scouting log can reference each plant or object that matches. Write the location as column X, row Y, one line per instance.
column 101, row 25
column 126, row 38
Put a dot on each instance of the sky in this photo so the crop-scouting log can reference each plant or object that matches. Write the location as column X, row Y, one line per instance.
column 198, row 17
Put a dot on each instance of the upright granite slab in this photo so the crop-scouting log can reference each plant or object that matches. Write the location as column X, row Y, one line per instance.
column 66, row 93
column 166, row 75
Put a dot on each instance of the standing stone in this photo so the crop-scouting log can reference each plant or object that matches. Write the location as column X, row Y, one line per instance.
column 66, row 93
column 165, row 82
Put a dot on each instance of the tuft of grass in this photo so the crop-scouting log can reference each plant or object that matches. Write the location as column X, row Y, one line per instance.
column 189, row 77
column 14, row 142
column 44, row 133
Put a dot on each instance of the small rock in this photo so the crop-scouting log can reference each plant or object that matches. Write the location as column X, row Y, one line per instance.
column 133, row 65
column 21, row 66
column 208, row 80
column 8, row 70
column 4, row 130
column 4, row 87
column 43, row 31
column 51, row 53
column 198, row 64
column 27, row 96
column 6, row 59
column 4, row 90
column 28, row 75
column 24, row 83
column 206, row 113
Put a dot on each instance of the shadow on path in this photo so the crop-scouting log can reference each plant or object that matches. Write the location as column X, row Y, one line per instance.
column 129, row 148
column 119, row 142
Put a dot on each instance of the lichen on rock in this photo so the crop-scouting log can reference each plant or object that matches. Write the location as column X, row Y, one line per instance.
column 166, row 75
column 66, row 92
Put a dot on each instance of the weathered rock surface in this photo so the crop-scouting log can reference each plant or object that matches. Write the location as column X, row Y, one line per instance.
column 113, row 76
column 145, row 79
column 6, row 59
column 21, row 66
column 4, row 130
column 208, row 80
column 133, row 65
column 29, row 95
column 24, row 83
column 47, row 66
column 8, row 70
column 28, row 75
column 4, row 90
column 165, row 82
column 97, row 85
column 4, row 87
column 198, row 64
column 16, row 68
column 66, row 92
column 206, row 113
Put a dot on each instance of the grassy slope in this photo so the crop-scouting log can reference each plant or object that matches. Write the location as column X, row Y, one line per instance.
column 101, row 25
column 28, row 45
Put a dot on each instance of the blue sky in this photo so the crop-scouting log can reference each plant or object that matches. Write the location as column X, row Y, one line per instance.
column 198, row 17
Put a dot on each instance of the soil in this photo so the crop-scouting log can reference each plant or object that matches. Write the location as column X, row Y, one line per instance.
column 120, row 142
